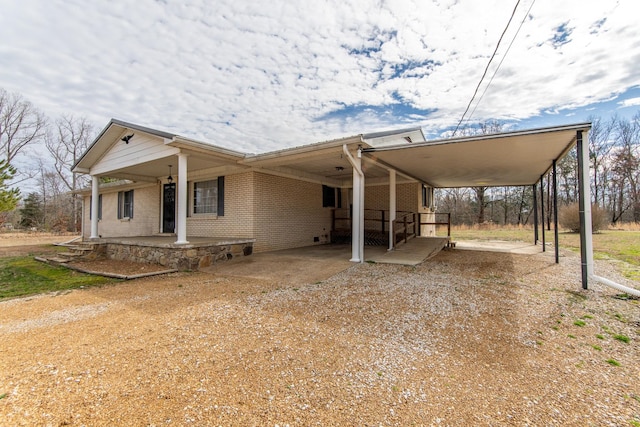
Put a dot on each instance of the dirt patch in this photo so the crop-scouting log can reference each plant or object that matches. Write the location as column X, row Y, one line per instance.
column 115, row 267
column 466, row 338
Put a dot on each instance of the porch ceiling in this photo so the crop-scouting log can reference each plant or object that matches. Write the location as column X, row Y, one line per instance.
column 505, row 159
column 159, row 168
column 324, row 162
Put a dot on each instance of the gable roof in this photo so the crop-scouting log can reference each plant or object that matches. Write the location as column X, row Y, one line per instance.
column 115, row 128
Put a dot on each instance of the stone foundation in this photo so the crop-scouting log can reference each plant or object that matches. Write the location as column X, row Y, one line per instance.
column 180, row 257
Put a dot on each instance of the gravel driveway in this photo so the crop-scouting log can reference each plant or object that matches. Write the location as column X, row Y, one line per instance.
column 466, row 338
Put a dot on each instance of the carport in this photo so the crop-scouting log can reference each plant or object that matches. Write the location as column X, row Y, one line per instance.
column 518, row 158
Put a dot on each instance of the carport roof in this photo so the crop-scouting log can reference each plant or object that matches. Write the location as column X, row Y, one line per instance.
column 502, row 159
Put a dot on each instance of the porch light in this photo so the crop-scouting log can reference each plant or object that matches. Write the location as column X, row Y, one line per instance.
column 170, row 178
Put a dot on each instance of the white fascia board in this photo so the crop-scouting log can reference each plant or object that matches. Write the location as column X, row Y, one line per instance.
column 573, row 127
column 300, row 176
column 204, row 147
column 304, row 151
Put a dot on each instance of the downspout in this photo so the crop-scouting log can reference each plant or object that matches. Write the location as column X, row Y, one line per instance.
column 392, row 206
column 544, row 243
column 555, row 211
column 614, row 285
column 357, row 232
column 586, row 239
column 584, row 203
column 535, row 214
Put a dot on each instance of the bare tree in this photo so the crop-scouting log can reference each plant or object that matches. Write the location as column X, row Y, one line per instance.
column 626, row 160
column 20, row 124
column 600, row 145
column 484, row 128
column 72, row 137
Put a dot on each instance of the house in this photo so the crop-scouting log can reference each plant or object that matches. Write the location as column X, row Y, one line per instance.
column 177, row 195
column 195, row 193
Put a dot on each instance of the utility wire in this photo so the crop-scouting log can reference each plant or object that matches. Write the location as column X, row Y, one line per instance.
column 501, row 61
column 495, row 51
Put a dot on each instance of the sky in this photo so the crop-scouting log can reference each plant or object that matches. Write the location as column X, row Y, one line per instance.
column 257, row 76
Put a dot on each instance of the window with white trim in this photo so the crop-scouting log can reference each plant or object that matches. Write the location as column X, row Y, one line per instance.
column 205, row 197
column 125, row 204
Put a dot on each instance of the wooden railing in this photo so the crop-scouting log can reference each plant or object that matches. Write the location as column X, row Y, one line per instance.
column 437, row 215
column 406, row 224
column 374, row 219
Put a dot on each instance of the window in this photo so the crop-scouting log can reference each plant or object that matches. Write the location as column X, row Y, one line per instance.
column 99, row 207
column 125, row 204
column 328, row 197
column 424, row 196
column 205, row 197
column 427, row 196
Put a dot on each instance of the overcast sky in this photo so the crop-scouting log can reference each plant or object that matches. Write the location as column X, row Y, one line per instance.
column 262, row 75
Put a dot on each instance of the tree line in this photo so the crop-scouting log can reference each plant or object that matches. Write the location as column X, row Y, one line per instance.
column 614, row 148
column 614, row 154
column 52, row 146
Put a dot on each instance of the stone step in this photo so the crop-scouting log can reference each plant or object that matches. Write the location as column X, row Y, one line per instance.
column 80, row 248
column 57, row 260
column 69, row 255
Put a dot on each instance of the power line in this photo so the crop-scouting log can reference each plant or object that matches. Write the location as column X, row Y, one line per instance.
column 502, row 60
column 495, row 51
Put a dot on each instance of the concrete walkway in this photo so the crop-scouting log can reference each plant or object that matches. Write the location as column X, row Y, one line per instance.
column 500, row 246
column 414, row 252
column 316, row 263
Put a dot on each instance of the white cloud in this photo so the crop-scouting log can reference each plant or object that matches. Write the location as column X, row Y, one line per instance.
column 258, row 76
column 631, row 102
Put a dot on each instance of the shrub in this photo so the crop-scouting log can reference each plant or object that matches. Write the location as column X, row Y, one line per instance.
column 569, row 217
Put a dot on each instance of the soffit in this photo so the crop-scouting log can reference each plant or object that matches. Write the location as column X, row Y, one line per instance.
column 505, row 159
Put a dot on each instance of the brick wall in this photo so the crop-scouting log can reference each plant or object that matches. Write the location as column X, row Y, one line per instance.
column 289, row 213
column 376, row 199
column 146, row 214
column 278, row 212
column 239, row 205
column 408, row 197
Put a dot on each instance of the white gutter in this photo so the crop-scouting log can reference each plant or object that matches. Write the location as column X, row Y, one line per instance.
column 586, row 237
column 614, row 285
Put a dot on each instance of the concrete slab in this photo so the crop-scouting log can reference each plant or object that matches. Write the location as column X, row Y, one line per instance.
column 499, row 246
column 316, row 263
column 414, row 252
column 292, row 266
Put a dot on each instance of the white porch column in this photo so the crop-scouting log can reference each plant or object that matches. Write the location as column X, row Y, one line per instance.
column 95, row 194
column 392, row 207
column 357, row 225
column 181, row 223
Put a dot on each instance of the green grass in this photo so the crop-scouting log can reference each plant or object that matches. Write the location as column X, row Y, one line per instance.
column 623, row 338
column 608, row 244
column 613, row 362
column 579, row 323
column 22, row 276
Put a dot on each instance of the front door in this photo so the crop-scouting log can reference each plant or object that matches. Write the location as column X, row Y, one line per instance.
column 169, row 208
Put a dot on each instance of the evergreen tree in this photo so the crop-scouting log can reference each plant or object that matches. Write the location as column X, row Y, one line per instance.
column 32, row 213
column 9, row 197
